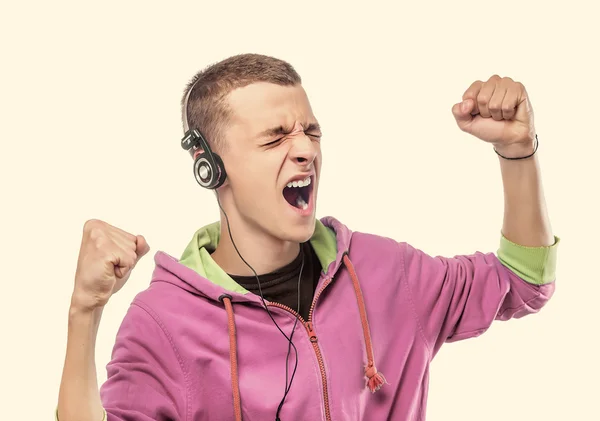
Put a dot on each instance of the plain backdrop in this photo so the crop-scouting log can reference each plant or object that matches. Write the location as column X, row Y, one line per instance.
column 90, row 128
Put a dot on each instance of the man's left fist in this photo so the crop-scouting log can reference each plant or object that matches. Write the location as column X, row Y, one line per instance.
column 498, row 111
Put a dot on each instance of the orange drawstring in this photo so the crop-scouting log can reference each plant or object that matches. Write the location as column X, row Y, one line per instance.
column 375, row 378
column 237, row 404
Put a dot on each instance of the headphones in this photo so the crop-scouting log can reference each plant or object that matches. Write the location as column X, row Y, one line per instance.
column 209, row 169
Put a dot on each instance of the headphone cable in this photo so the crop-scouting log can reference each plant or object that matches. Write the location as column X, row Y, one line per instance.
column 289, row 339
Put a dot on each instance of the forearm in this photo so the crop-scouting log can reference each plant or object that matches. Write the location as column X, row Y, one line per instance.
column 79, row 396
column 526, row 220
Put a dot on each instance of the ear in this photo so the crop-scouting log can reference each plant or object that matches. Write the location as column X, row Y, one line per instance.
column 196, row 153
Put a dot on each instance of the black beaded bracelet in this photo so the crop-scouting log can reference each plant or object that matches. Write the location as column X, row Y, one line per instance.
column 522, row 157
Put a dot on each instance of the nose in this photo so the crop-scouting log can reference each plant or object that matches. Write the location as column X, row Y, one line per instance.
column 304, row 150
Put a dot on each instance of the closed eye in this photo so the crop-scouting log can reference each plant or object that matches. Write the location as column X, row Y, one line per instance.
column 274, row 142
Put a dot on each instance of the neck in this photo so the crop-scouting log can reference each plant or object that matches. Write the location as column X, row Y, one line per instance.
column 262, row 251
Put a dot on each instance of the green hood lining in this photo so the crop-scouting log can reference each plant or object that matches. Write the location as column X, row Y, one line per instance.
column 197, row 256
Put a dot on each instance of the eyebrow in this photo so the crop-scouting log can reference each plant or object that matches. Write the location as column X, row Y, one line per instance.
column 282, row 130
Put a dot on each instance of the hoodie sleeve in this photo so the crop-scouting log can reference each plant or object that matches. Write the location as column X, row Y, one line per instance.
column 145, row 377
column 459, row 297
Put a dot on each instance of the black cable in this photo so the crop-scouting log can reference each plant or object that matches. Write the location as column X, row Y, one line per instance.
column 289, row 347
column 290, row 343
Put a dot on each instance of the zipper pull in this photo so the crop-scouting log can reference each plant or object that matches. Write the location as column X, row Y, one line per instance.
column 311, row 332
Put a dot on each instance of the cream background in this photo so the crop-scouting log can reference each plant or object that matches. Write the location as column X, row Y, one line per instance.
column 91, row 126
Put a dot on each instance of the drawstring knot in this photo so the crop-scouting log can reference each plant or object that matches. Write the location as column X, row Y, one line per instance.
column 375, row 378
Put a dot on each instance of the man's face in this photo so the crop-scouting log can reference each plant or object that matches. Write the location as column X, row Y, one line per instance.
column 273, row 160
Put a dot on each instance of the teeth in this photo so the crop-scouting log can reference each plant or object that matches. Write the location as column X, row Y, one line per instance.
column 299, row 183
column 301, row 203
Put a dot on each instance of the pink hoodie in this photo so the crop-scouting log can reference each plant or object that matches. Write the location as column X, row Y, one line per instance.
column 191, row 348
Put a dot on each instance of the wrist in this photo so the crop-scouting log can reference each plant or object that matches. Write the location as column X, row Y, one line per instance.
column 81, row 312
column 517, row 150
column 84, row 324
column 83, row 305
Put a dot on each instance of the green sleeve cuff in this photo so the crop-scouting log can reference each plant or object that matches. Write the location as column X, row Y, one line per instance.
column 536, row 265
column 56, row 415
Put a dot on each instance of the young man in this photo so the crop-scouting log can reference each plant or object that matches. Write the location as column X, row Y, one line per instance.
column 274, row 314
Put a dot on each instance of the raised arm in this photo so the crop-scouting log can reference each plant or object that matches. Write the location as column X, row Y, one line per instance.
column 106, row 258
column 499, row 112
column 459, row 297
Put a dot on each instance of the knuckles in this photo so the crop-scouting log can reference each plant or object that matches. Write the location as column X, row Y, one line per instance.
column 483, row 99
column 94, row 229
column 495, row 106
column 97, row 235
column 91, row 223
column 495, row 79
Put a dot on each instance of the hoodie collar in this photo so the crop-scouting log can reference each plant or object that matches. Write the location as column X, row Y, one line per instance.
column 330, row 241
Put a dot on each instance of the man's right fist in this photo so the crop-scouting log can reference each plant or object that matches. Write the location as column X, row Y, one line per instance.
column 106, row 258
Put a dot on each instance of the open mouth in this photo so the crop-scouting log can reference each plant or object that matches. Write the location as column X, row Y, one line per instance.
column 298, row 193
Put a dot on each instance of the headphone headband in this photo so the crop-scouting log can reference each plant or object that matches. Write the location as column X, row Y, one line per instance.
column 209, row 170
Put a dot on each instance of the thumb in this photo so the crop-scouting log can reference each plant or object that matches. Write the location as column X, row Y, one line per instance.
column 142, row 246
column 462, row 114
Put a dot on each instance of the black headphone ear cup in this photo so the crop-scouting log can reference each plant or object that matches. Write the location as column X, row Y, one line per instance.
column 203, row 171
column 221, row 175
column 207, row 176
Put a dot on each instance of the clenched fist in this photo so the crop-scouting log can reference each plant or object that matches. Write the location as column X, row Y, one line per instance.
column 106, row 258
column 498, row 111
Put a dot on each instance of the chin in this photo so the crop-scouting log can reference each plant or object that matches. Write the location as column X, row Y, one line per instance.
column 299, row 233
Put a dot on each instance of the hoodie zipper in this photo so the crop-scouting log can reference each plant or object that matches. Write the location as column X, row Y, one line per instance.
column 314, row 340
